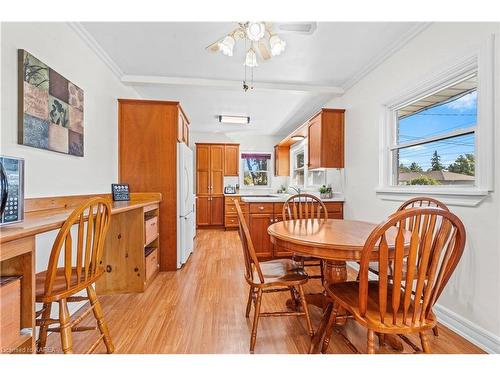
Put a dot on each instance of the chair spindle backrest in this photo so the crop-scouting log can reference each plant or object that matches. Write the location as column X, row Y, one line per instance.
column 92, row 220
column 251, row 260
column 422, row 263
column 304, row 206
column 421, row 202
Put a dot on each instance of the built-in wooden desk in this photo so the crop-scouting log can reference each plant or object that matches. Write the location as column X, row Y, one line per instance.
column 130, row 253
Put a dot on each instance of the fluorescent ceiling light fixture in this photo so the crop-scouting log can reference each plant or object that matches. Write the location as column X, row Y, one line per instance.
column 297, row 137
column 228, row 119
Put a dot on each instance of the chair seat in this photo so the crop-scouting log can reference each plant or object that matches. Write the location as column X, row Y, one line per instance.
column 347, row 294
column 281, row 271
column 59, row 286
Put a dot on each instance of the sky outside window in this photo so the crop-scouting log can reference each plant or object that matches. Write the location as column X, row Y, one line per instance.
column 460, row 113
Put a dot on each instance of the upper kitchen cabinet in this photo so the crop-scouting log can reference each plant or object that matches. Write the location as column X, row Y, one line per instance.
column 183, row 127
column 325, row 133
column 231, row 159
column 281, row 160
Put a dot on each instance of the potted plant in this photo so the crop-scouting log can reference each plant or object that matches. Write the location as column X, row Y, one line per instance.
column 325, row 192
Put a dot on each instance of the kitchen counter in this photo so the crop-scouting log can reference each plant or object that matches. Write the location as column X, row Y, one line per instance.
column 265, row 197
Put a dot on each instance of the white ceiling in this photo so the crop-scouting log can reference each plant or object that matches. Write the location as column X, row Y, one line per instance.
column 333, row 55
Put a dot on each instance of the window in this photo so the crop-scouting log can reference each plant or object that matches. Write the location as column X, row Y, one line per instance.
column 255, row 167
column 435, row 137
column 301, row 176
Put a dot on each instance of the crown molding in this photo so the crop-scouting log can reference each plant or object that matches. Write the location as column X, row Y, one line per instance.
column 136, row 80
column 80, row 30
column 386, row 53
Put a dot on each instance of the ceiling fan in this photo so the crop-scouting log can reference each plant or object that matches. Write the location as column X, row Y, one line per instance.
column 262, row 37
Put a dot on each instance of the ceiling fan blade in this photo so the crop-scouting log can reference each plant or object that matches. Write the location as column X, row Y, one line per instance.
column 214, row 47
column 264, row 51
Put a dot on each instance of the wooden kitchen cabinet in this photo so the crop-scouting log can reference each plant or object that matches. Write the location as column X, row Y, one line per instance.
column 257, row 225
column 262, row 214
column 203, row 210
column 183, row 128
column 230, row 213
column 210, row 210
column 217, row 210
column 326, row 139
column 216, row 169
column 148, row 135
column 231, row 159
column 211, row 166
column 281, row 160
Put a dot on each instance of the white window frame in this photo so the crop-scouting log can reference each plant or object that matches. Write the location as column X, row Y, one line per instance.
column 480, row 62
column 296, row 148
column 270, row 167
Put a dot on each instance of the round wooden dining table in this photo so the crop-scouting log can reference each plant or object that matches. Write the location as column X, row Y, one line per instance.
column 335, row 242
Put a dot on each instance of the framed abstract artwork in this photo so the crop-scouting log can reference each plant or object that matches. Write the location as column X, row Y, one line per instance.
column 50, row 108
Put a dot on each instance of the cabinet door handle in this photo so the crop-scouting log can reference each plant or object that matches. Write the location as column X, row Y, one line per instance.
column 261, row 208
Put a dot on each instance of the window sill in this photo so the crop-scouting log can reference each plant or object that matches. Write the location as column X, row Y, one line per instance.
column 468, row 197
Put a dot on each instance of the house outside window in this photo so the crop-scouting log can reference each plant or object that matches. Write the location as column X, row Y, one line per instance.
column 256, row 169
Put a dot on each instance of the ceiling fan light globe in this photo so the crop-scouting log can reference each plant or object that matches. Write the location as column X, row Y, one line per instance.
column 226, row 45
column 255, row 31
column 277, row 45
column 251, row 59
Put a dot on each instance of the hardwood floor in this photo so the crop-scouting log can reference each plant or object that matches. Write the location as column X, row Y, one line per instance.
column 201, row 309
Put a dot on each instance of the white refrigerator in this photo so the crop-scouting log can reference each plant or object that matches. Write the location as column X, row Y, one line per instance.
column 185, row 204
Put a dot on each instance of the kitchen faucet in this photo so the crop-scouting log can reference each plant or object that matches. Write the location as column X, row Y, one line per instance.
column 297, row 189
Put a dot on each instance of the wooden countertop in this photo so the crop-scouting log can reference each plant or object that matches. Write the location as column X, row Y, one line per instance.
column 44, row 220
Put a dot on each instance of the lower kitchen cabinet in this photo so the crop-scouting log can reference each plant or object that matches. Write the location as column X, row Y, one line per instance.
column 257, row 225
column 262, row 214
column 210, row 210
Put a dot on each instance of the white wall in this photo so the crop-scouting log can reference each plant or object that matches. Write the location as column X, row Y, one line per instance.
column 248, row 142
column 49, row 173
column 473, row 292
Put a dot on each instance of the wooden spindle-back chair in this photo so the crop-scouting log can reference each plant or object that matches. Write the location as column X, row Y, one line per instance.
column 306, row 206
column 74, row 265
column 281, row 275
column 417, row 202
column 423, row 262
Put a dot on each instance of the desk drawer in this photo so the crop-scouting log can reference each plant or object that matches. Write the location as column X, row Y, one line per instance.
column 10, row 311
column 261, row 208
column 150, row 229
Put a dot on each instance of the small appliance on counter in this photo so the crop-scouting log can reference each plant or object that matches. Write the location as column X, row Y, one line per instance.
column 230, row 189
column 12, row 190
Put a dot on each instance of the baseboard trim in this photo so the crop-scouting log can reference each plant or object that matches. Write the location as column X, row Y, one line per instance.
column 477, row 335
